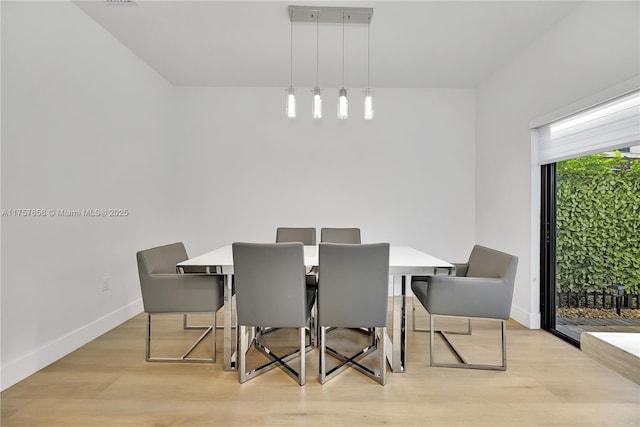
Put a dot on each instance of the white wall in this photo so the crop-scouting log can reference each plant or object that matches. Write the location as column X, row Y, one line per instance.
column 595, row 47
column 406, row 177
column 84, row 125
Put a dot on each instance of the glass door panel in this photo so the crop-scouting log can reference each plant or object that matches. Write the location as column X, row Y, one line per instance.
column 590, row 258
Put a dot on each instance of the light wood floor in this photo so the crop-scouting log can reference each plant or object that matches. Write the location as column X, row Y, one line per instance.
column 108, row 383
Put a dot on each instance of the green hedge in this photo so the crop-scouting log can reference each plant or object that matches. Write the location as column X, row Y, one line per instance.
column 598, row 215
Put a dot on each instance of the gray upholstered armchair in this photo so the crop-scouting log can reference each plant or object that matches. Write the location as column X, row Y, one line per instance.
column 165, row 292
column 482, row 288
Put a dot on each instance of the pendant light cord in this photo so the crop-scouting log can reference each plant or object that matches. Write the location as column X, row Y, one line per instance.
column 291, row 54
column 343, row 49
column 368, row 52
column 317, row 46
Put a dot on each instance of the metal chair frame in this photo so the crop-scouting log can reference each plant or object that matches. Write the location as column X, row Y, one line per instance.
column 249, row 336
column 463, row 363
column 378, row 342
column 185, row 356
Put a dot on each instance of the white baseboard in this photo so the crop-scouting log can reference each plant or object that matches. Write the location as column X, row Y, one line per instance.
column 19, row 369
column 529, row 319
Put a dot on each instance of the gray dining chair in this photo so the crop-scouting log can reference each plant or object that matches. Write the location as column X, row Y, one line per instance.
column 271, row 292
column 481, row 289
column 353, row 282
column 340, row 235
column 304, row 235
column 166, row 292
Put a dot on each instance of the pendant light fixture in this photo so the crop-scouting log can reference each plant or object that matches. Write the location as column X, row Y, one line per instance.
column 291, row 98
column 368, row 100
column 343, row 102
column 333, row 15
column 316, row 108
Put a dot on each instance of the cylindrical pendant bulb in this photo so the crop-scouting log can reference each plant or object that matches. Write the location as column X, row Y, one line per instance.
column 317, row 104
column 291, row 103
column 368, row 106
column 343, row 104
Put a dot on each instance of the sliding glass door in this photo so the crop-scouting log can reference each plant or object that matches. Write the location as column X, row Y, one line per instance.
column 590, row 244
column 590, row 218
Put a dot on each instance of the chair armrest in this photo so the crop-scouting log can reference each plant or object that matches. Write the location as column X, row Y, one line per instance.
column 461, row 270
column 468, row 297
column 182, row 293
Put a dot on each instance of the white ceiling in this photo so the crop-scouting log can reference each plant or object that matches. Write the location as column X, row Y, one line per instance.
column 242, row 43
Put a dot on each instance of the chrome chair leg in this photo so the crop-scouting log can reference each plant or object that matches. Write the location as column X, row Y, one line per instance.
column 463, row 363
column 242, row 353
column 381, row 334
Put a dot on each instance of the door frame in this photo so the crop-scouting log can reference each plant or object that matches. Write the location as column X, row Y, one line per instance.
column 548, row 235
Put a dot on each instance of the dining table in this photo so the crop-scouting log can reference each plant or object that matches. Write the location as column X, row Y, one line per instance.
column 404, row 262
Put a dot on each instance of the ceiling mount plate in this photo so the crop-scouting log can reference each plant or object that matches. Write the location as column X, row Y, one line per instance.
column 352, row 15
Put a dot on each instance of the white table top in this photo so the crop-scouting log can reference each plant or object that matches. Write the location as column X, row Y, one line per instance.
column 403, row 260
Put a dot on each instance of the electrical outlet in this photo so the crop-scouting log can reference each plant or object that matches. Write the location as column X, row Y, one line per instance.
column 105, row 283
